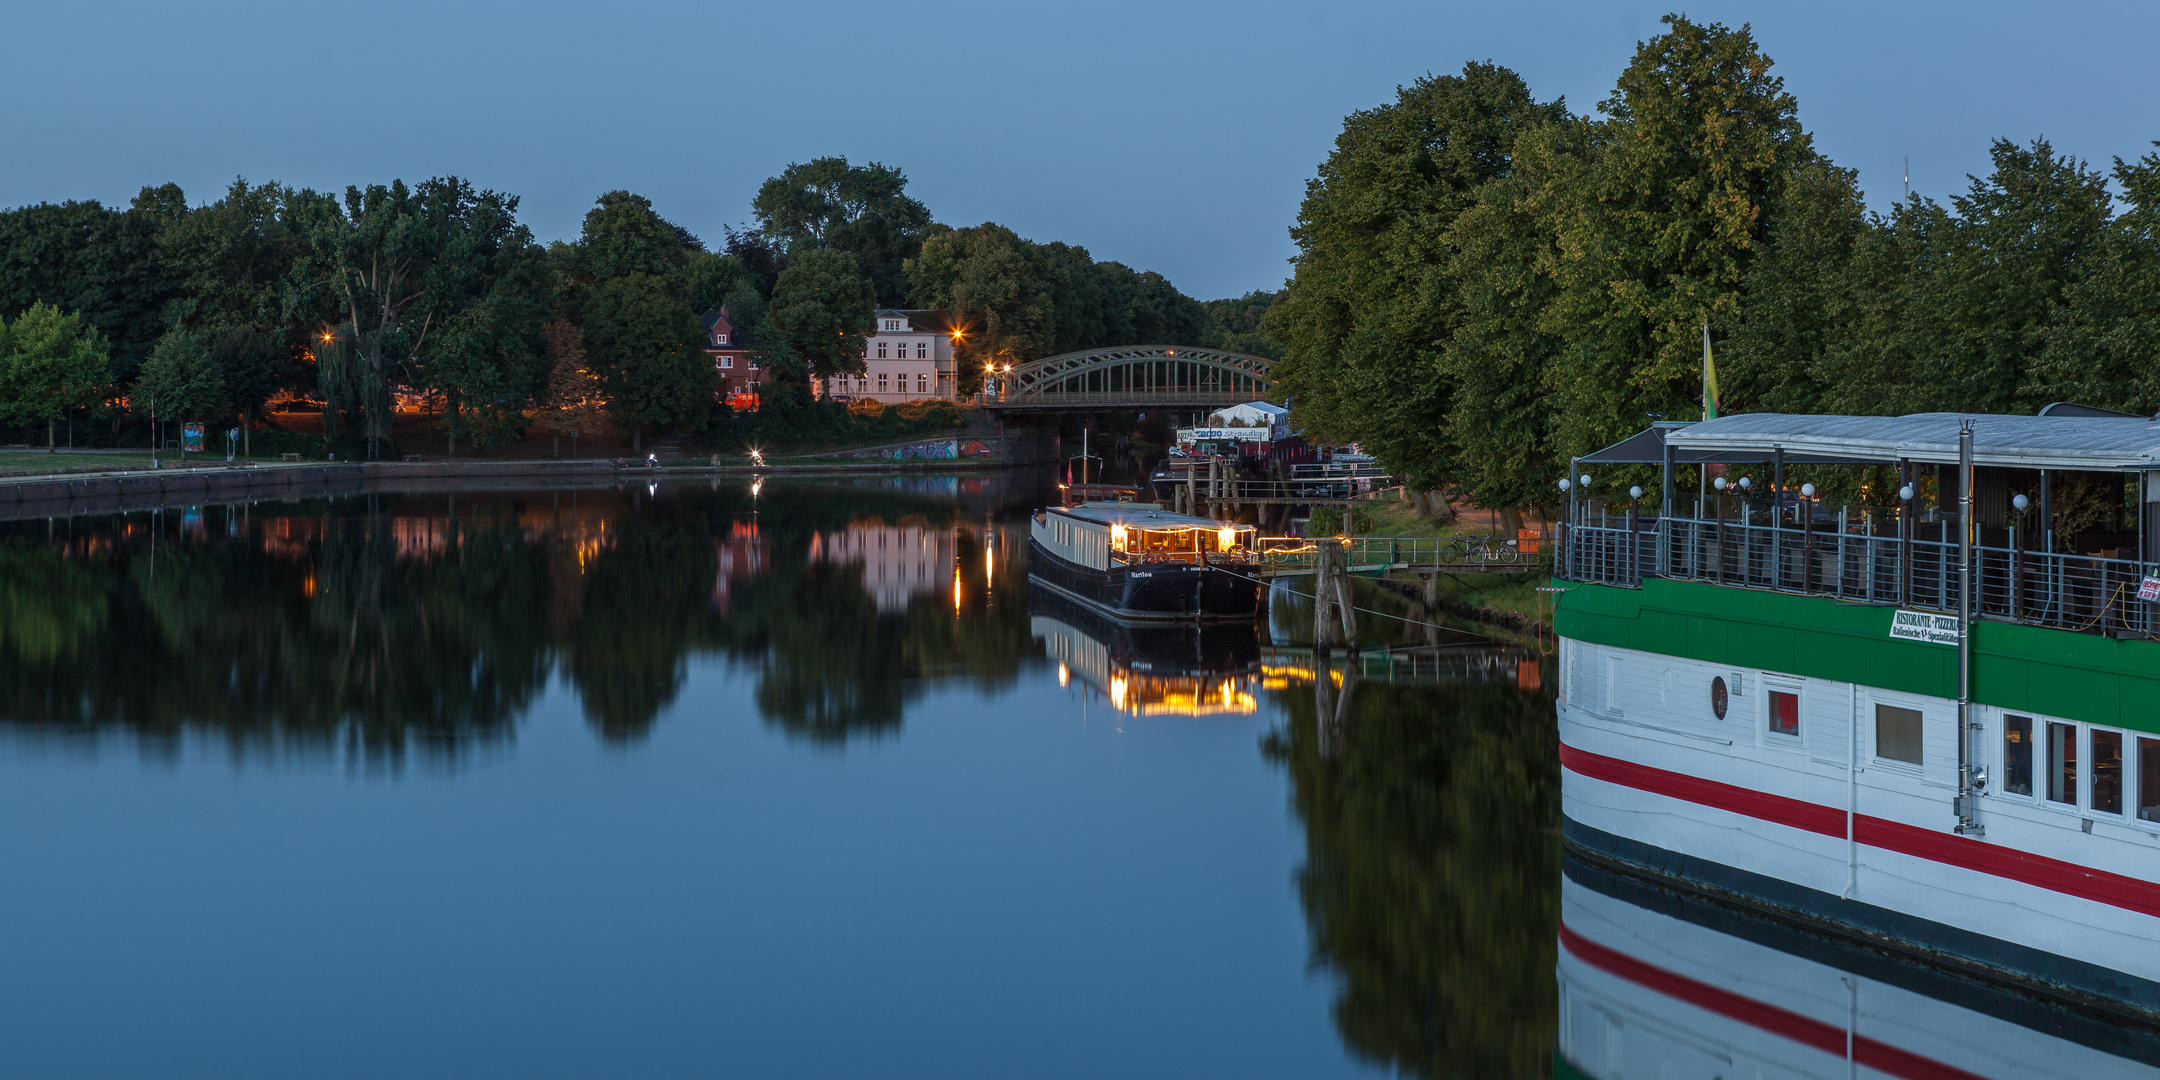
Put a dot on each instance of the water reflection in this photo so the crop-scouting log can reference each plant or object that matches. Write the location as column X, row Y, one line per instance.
column 1658, row 983
column 385, row 624
column 1429, row 808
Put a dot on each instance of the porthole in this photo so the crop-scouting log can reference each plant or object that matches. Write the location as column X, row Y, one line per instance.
column 1717, row 696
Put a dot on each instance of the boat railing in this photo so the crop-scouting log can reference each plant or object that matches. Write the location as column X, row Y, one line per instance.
column 1867, row 562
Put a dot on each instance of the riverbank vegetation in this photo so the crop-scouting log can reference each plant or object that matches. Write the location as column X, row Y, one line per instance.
column 1488, row 284
column 432, row 299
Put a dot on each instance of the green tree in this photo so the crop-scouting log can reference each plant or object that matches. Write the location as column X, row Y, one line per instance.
column 1375, row 296
column 51, row 362
column 2100, row 348
column 623, row 235
column 993, row 283
column 1656, row 233
column 644, row 342
column 863, row 210
column 573, row 403
column 823, row 310
column 99, row 263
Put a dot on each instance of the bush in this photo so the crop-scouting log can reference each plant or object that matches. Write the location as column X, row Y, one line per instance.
column 1327, row 521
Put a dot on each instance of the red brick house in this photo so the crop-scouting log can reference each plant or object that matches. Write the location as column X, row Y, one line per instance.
column 735, row 361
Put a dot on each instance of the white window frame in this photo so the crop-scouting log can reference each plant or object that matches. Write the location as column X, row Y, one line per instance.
column 2088, row 772
column 1784, row 684
column 719, row 339
column 727, row 361
column 1869, row 739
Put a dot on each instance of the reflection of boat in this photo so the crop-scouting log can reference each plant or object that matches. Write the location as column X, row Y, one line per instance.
column 1139, row 561
column 1152, row 669
column 1654, row 983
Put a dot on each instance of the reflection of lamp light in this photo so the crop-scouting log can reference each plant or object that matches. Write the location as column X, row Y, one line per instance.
column 1064, row 675
column 1225, row 538
column 1117, row 691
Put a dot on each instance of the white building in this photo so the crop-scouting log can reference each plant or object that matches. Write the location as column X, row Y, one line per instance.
column 908, row 358
column 899, row 562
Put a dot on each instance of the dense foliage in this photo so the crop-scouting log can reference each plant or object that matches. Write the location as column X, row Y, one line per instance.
column 1487, row 285
column 437, row 289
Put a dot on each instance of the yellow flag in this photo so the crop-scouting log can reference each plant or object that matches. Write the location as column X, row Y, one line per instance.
column 1709, row 376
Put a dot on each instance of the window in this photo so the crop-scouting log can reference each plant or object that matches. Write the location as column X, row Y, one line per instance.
column 727, row 361
column 922, row 350
column 880, row 382
column 719, row 339
column 922, row 383
column 2107, row 771
column 1784, row 712
column 1897, row 734
column 881, row 350
column 892, row 324
column 2148, row 801
column 2017, row 755
column 2062, row 765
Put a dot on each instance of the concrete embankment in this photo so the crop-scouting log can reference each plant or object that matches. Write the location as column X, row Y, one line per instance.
column 122, row 492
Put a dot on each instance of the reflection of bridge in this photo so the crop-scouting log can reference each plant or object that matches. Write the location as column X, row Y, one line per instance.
column 1129, row 376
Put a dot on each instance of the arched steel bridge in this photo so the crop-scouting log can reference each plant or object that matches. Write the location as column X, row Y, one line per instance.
column 1128, row 376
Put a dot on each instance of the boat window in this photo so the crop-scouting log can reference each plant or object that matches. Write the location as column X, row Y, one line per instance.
column 1897, row 734
column 2017, row 755
column 2062, row 769
column 2148, row 802
column 1784, row 712
column 2107, row 771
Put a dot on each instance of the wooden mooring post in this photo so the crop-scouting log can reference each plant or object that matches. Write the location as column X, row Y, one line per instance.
column 1334, row 618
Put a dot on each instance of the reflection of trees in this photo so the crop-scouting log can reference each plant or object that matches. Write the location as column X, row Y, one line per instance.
column 1432, row 864
column 392, row 621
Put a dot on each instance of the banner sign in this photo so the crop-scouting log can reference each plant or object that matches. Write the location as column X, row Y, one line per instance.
column 1241, row 434
column 1928, row 626
column 191, row 438
column 2149, row 589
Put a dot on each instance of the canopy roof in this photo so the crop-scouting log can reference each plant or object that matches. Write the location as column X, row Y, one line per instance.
column 2093, row 443
column 1148, row 516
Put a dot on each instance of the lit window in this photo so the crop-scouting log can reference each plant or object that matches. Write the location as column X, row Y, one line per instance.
column 922, row 383
column 2107, row 771
column 2062, row 763
column 1897, row 734
column 2017, row 755
column 1784, row 712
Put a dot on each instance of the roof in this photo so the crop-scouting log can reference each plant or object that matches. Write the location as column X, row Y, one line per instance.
column 920, row 320
column 1141, row 516
column 2027, row 442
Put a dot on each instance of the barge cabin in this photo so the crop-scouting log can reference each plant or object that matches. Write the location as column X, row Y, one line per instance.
column 1137, row 561
column 1930, row 720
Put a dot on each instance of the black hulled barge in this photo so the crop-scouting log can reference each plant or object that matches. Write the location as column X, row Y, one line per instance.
column 1139, row 562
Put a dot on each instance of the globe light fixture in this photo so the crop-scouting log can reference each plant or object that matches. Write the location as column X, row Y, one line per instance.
column 1586, row 479
column 1746, row 484
column 1905, row 493
column 1718, row 483
column 1634, row 492
column 1807, row 491
column 1564, row 485
column 2021, row 502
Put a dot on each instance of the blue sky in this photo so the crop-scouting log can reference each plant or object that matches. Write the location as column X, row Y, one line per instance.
column 1169, row 136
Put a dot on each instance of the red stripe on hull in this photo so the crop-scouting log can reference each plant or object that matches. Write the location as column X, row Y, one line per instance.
column 1829, row 1039
column 1950, row 849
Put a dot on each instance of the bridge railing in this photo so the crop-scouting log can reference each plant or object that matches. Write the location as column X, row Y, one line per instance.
column 1404, row 552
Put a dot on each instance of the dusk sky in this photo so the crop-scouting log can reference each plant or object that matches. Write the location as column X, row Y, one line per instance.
column 1169, row 136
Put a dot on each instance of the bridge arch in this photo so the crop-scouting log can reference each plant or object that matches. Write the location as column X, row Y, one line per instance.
column 1129, row 376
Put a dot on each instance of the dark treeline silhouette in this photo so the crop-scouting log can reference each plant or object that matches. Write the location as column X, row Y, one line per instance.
column 1432, row 872
column 385, row 624
column 1488, row 284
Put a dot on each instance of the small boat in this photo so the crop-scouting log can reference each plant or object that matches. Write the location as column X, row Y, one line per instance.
column 1138, row 561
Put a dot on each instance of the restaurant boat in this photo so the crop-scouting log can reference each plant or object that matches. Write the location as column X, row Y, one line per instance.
column 1138, row 561
column 1149, row 669
column 1930, row 727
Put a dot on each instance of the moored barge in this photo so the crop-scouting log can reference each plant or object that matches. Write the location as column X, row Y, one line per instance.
column 1139, row 562
column 1930, row 726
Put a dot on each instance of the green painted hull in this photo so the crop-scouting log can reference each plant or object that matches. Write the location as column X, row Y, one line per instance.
column 2060, row 673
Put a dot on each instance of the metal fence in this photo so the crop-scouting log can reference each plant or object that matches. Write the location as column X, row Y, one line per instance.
column 1860, row 561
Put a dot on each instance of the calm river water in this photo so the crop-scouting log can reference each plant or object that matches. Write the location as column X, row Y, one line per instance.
column 692, row 779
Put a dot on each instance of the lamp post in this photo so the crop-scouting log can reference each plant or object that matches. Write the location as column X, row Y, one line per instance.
column 2017, row 556
column 1807, row 538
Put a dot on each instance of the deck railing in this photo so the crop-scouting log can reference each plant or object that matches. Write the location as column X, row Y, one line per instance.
column 1859, row 561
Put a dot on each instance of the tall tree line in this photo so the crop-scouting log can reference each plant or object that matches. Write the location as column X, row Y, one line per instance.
column 206, row 312
column 1487, row 284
